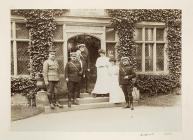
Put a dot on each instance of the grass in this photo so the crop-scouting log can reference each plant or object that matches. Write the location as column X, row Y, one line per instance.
column 162, row 100
column 19, row 112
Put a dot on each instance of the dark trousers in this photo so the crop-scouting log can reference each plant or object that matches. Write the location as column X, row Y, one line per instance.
column 127, row 90
column 51, row 91
column 84, row 83
column 73, row 90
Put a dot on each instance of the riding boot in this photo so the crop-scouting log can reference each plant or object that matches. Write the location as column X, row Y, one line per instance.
column 131, row 101
column 69, row 104
column 50, row 100
column 75, row 102
column 126, row 105
column 54, row 99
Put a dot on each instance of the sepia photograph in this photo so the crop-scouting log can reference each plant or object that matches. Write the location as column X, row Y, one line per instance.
column 96, row 70
column 73, row 69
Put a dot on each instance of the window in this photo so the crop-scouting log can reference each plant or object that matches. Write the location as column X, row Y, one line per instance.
column 111, row 40
column 58, row 43
column 150, row 47
column 19, row 49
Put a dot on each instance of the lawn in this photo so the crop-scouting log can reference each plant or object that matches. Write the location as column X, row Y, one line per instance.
column 162, row 100
column 19, row 112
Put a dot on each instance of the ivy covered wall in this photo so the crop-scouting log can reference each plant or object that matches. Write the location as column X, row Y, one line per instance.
column 124, row 22
column 41, row 25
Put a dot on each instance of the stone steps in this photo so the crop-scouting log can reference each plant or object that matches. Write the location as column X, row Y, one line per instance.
column 82, row 107
column 84, row 95
column 87, row 100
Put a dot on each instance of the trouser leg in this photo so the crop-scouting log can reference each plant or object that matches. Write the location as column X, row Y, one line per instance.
column 70, row 86
column 124, row 88
column 76, row 92
column 130, row 88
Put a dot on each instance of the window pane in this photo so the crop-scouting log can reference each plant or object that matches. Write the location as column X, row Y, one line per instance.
column 160, row 57
column 148, row 57
column 60, row 56
column 149, row 34
column 139, row 56
column 139, row 65
column 22, row 58
column 160, row 65
column 111, row 50
column 21, row 31
column 160, row 50
column 160, row 34
column 110, row 34
column 11, row 30
column 138, row 34
column 58, row 33
column 12, row 63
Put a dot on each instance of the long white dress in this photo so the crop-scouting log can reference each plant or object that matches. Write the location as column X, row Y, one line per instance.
column 116, row 94
column 102, row 83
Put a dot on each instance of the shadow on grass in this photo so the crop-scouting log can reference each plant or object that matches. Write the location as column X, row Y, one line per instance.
column 19, row 112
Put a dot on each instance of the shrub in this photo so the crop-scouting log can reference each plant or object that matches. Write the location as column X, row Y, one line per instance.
column 24, row 86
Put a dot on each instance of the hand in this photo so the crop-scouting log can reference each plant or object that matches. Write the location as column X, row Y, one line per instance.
column 126, row 77
column 84, row 76
column 67, row 79
column 88, row 69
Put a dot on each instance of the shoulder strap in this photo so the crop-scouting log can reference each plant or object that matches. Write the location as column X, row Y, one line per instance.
column 74, row 66
column 123, row 70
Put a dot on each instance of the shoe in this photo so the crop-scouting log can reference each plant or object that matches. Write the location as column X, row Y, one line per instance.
column 69, row 104
column 94, row 95
column 132, row 108
column 75, row 102
column 58, row 105
column 127, row 105
column 52, row 106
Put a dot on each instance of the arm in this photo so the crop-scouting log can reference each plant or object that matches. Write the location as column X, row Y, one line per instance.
column 132, row 74
column 45, row 72
column 66, row 72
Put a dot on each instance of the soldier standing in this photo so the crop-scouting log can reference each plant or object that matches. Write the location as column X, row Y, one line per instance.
column 73, row 74
column 51, row 77
column 84, row 56
column 126, row 73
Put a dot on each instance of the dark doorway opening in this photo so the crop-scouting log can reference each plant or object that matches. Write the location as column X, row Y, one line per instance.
column 93, row 44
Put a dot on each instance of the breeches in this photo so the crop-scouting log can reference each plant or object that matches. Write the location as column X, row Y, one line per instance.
column 51, row 90
column 52, row 86
column 127, row 90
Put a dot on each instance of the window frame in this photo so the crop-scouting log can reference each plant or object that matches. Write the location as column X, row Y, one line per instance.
column 13, row 23
column 55, row 41
column 115, row 41
column 155, row 26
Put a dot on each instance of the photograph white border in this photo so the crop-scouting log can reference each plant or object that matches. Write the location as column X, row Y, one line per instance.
column 187, row 68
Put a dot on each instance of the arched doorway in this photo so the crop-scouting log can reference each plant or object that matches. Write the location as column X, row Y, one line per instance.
column 93, row 44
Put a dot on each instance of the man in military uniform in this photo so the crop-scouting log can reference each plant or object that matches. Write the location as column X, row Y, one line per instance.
column 85, row 61
column 73, row 74
column 126, row 73
column 51, row 77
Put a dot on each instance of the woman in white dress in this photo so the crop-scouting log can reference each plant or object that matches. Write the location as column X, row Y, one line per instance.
column 102, row 82
column 116, row 94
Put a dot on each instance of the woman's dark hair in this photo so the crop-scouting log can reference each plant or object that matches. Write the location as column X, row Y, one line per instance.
column 101, row 51
column 112, row 60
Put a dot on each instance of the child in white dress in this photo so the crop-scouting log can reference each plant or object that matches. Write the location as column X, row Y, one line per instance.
column 116, row 94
